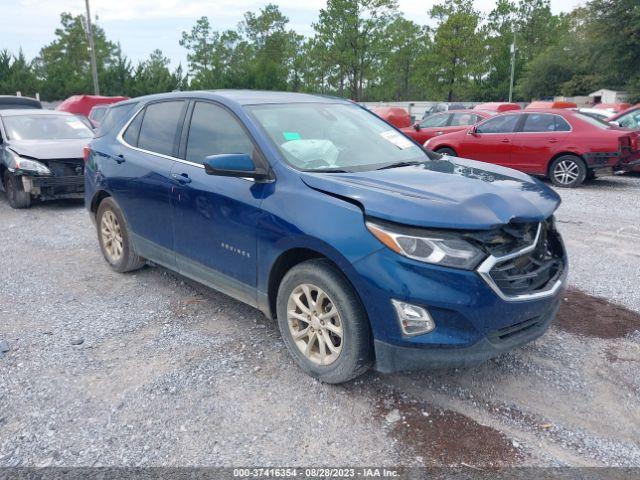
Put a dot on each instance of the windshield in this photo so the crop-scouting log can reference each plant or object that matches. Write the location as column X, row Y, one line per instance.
column 45, row 127
column 319, row 136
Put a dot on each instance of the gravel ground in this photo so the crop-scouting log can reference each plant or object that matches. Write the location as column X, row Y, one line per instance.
column 150, row 369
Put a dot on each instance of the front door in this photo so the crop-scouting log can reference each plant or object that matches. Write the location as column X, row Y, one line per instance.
column 214, row 217
column 492, row 141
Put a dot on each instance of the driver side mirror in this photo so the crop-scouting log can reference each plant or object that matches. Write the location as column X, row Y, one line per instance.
column 473, row 131
column 416, row 127
column 234, row 165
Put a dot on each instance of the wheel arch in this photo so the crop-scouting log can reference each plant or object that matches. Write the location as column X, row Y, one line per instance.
column 444, row 145
column 295, row 255
column 562, row 154
column 97, row 198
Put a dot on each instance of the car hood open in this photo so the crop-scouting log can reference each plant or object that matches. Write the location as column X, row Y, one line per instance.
column 448, row 193
column 49, row 149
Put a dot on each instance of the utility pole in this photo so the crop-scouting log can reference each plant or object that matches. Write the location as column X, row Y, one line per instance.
column 513, row 65
column 92, row 51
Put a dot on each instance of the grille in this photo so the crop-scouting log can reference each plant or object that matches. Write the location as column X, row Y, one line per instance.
column 66, row 167
column 534, row 271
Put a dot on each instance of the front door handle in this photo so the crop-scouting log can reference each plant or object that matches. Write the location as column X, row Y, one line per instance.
column 506, row 140
column 553, row 140
column 181, row 178
column 439, row 133
column 119, row 159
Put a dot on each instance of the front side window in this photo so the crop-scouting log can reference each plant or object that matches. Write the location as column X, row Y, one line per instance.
column 460, row 119
column 45, row 127
column 499, row 124
column 435, row 121
column 334, row 136
column 159, row 127
column 214, row 131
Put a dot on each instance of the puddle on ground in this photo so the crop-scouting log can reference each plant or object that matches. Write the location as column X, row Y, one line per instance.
column 444, row 437
column 584, row 314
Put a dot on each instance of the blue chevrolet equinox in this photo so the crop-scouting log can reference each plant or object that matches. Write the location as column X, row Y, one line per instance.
column 366, row 248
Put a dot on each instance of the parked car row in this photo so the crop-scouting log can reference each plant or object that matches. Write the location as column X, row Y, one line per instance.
column 548, row 139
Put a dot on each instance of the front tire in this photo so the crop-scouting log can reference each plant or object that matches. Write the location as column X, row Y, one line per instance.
column 115, row 241
column 16, row 196
column 567, row 171
column 323, row 323
column 446, row 151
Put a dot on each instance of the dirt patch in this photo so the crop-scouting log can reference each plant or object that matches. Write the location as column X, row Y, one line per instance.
column 444, row 437
column 583, row 314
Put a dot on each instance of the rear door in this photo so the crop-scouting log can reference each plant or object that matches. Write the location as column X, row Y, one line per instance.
column 140, row 178
column 215, row 218
column 493, row 140
column 539, row 138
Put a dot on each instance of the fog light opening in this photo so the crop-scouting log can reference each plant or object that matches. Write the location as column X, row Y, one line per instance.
column 414, row 320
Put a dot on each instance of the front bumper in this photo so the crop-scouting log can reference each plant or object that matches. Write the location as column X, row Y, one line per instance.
column 392, row 358
column 473, row 321
column 54, row 187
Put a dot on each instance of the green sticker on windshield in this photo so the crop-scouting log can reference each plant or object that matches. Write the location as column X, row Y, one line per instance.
column 291, row 135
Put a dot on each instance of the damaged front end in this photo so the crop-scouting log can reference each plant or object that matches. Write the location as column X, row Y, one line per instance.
column 49, row 179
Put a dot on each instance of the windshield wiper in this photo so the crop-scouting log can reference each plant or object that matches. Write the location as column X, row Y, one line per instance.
column 327, row 170
column 400, row 164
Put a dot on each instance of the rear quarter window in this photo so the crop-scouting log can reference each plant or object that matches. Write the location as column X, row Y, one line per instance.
column 114, row 116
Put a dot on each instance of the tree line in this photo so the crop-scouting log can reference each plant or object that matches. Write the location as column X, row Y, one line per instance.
column 363, row 50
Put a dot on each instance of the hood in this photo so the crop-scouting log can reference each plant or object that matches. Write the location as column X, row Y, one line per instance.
column 449, row 193
column 49, row 149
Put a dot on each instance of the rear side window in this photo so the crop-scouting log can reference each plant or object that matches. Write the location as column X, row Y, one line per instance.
column 561, row 124
column 114, row 116
column 459, row 119
column 214, row 131
column 499, row 124
column 539, row 122
column 630, row 120
column 159, row 128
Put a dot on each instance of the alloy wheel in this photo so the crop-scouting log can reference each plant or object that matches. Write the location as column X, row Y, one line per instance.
column 315, row 324
column 566, row 172
column 111, row 236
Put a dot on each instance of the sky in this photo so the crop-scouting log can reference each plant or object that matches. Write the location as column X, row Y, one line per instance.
column 144, row 25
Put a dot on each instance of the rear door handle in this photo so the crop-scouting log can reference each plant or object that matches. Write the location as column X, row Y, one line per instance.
column 181, row 178
column 119, row 158
column 506, row 140
column 439, row 133
column 553, row 140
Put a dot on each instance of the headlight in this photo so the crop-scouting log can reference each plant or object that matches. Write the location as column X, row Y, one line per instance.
column 30, row 165
column 431, row 246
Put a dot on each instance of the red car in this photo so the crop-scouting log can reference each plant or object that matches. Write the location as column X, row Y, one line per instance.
column 445, row 122
column 82, row 104
column 562, row 144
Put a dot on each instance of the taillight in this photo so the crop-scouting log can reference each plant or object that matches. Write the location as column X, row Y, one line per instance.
column 635, row 143
column 86, row 152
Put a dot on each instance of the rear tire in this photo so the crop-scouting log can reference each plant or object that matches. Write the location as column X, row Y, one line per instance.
column 16, row 196
column 300, row 310
column 567, row 171
column 446, row 151
column 115, row 241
